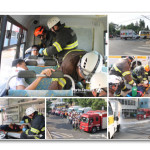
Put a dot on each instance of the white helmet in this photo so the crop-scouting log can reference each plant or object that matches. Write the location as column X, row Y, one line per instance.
column 30, row 111
column 114, row 79
column 52, row 21
column 98, row 81
column 91, row 63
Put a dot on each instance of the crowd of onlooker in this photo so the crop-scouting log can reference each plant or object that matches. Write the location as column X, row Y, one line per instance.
column 73, row 117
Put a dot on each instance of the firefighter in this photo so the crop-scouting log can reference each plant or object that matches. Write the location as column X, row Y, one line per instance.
column 99, row 84
column 139, row 75
column 37, row 129
column 114, row 82
column 122, row 69
column 80, row 65
column 26, row 119
column 47, row 37
column 147, row 68
column 66, row 39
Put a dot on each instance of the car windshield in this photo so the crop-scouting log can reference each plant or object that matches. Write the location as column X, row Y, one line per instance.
column 141, row 113
column 84, row 119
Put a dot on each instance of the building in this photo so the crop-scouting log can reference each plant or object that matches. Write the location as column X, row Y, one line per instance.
column 128, row 106
column 144, row 103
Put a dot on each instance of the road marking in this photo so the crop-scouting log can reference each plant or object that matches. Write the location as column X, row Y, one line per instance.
column 61, row 135
column 103, row 136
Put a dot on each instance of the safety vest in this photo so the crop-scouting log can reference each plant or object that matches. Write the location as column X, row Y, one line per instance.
column 123, row 73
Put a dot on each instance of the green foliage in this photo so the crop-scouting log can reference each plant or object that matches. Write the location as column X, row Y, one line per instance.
column 95, row 104
column 135, row 27
column 48, row 104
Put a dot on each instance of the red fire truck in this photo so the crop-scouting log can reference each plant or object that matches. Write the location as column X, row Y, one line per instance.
column 143, row 113
column 93, row 121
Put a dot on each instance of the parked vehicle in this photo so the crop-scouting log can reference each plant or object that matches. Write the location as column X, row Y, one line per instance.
column 128, row 34
column 113, row 121
column 93, row 121
column 144, row 34
column 75, row 108
column 143, row 113
column 84, row 110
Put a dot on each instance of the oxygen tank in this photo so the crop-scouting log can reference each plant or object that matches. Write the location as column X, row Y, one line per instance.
column 134, row 91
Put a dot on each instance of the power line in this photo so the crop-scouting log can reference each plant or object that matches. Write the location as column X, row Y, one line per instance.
column 140, row 17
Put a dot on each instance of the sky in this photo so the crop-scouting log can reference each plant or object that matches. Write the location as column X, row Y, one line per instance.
column 127, row 18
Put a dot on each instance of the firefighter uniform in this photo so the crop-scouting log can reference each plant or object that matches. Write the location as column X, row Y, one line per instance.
column 48, row 41
column 69, row 67
column 122, row 69
column 66, row 40
column 37, row 129
column 139, row 74
column 26, row 119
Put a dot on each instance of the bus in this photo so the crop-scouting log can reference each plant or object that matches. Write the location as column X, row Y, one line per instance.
column 144, row 34
column 113, row 118
column 17, row 35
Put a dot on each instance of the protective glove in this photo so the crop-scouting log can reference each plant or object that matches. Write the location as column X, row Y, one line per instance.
column 22, row 122
column 24, row 129
column 41, row 51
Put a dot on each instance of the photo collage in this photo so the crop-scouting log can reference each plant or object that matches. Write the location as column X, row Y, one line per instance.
column 75, row 77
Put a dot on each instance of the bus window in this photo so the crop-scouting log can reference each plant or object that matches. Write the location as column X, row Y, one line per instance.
column 110, row 111
column 24, row 36
column 14, row 33
column 21, row 51
column 6, row 41
column 8, row 56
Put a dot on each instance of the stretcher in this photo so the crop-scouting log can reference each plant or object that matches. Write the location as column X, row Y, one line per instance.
column 9, row 134
column 141, row 93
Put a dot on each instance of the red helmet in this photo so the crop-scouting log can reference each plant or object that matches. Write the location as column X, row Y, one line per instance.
column 39, row 31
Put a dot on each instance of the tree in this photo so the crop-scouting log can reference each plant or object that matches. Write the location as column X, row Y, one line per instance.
column 98, row 104
column 142, row 24
column 48, row 104
column 112, row 29
column 94, row 103
column 68, row 100
column 147, row 28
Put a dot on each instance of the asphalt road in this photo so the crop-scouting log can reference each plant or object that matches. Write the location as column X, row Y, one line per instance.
column 134, row 129
column 121, row 47
column 58, row 128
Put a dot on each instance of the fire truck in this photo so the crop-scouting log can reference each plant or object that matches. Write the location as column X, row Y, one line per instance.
column 93, row 121
column 143, row 113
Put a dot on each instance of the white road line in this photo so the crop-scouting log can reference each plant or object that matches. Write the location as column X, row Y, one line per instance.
column 68, row 135
column 57, row 134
